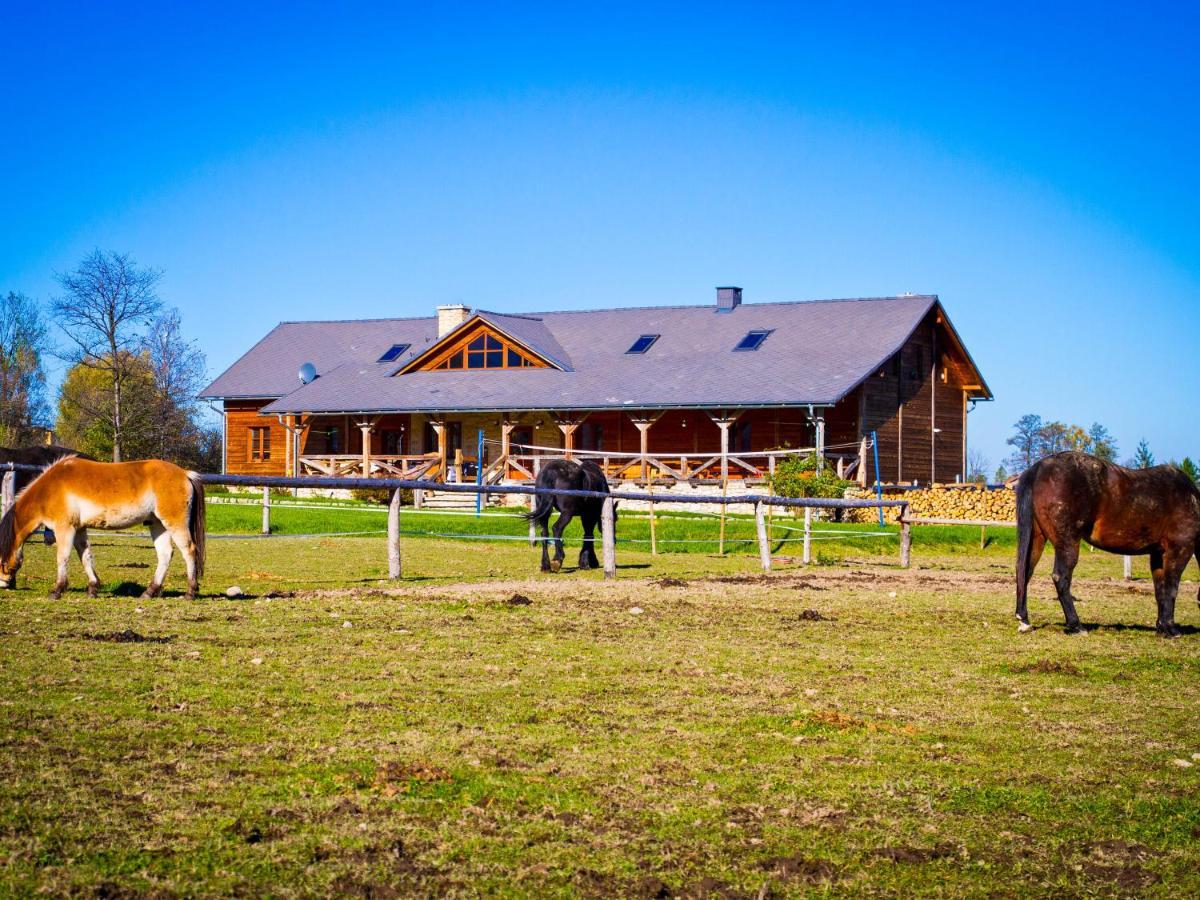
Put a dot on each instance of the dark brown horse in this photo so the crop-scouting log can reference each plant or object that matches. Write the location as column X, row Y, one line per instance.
column 1069, row 497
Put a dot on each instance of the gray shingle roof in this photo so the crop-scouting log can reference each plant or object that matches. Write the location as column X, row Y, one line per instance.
column 817, row 353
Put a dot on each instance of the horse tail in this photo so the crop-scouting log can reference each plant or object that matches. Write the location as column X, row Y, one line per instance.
column 542, row 508
column 197, row 521
column 1025, row 527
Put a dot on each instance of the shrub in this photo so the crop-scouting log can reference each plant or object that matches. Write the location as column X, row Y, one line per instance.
column 382, row 496
column 798, row 477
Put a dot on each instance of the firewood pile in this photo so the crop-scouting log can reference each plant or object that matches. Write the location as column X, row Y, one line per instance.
column 941, row 501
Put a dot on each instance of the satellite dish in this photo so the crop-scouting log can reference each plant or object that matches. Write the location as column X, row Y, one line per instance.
column 307, row 373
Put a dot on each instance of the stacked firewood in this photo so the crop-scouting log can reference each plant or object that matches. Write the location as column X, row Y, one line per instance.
column 957, row 501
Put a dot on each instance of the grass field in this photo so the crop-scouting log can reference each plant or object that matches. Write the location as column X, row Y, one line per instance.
column 694, row 728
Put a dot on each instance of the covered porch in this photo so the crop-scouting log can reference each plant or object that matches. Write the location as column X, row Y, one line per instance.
column 642, row 447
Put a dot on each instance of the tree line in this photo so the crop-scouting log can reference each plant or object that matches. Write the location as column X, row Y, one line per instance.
column 1034, row 438
column 132, row 376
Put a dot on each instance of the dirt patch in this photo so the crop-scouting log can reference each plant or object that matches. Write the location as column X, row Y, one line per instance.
column 128, row 636
column 393, row 778
column 670, row 583
column 519, row 600
column 831, row 718
column 1130, row 877
column 801, row 868
column 812, row 615
column 1119, row 849
column 279, row 595
column 132, row 565
column 346, row 886
column 1048, row 667
column 916, row 854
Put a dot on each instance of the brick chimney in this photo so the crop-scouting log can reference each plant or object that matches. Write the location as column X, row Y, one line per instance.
column 451, row 316
column 728, row 298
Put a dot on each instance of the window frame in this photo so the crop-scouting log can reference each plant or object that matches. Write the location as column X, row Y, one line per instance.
column 258, row 443
column 651, row 339
column 764, row 334
column 393, row 353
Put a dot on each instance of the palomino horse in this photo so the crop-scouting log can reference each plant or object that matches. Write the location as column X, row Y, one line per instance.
column 562, row 474
column 1070, row 497
column 40, row 455
column 74, row 494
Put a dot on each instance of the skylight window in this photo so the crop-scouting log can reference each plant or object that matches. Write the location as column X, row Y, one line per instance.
column 393, row 352
column 644, row 343
column 752, row 341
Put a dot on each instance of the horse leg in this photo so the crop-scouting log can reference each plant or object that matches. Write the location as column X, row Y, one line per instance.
column 63, row 546
column 162, row 547
column 1166, row 587
column 1066, row 555
column 586, row 553
column 1023, row 579
column 545, row 529
column 84, row 549
column 183, row 540
column 560, row 524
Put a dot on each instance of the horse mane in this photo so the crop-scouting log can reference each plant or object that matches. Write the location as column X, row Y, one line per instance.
column 41, row 474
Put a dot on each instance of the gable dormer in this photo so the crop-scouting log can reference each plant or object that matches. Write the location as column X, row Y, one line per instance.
column 475, row 345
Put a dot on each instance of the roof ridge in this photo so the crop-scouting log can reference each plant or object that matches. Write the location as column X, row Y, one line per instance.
column 713, row 306
column 529, row 317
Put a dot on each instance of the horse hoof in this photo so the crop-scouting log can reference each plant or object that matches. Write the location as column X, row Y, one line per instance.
column 1170, row 631
column 556, row 565
column 93, row 591
column 55, row 595
column 1076, row 629
column 1023, row 627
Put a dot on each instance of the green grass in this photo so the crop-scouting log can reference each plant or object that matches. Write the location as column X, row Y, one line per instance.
column 846, row 729
column 676, row 531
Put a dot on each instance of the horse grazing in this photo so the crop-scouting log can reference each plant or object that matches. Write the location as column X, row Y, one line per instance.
column 565, row 475
column 74, row 494
column 1070, row 497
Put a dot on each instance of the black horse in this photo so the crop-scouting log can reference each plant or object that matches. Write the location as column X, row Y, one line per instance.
column 40, row 455
column 565, row 475
column 1070, row 497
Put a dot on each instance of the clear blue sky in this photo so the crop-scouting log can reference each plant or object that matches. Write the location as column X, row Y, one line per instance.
column 1036, row 168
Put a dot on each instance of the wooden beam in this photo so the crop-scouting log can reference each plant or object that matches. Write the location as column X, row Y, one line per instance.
column 568, row 423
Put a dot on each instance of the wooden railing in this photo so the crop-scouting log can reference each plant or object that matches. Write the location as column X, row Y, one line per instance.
column 340, row 465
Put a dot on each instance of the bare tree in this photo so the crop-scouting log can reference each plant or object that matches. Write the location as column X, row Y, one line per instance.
column 23, row 342
column 107, row 304
column 977, row 465
column 178, row 368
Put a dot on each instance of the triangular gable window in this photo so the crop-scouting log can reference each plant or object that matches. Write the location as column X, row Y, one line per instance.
column 482, row 348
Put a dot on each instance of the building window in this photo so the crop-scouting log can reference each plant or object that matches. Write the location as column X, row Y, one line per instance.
column 260, row 443
column 393, row 352
column 487, row 352
column 752, row 341
column 644, row 343
column 333, row 440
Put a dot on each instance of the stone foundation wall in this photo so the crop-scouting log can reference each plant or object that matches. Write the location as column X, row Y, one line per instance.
column 941, row 502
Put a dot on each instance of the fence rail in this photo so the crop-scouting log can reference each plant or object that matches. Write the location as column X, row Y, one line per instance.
column 758, row 501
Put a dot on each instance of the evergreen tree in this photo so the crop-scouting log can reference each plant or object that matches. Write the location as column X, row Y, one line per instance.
column 1143, row 458
column 1190, row 469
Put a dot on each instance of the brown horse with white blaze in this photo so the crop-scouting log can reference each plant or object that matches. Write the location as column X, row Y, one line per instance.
column 76, row 494
column 1069, row 497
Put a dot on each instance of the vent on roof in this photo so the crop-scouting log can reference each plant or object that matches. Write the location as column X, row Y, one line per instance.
column 753, row 340
column 393, row 352
column 642, row 344
column 728, row 298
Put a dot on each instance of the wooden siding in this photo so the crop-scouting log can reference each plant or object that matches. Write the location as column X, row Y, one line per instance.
column 240, row 417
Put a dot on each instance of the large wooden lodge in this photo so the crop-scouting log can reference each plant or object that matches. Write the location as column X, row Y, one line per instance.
column 683, row 395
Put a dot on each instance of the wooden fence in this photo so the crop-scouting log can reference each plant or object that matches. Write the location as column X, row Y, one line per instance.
column 760, row 502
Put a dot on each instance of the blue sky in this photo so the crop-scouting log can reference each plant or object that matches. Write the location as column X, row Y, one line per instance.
column 1035, row 168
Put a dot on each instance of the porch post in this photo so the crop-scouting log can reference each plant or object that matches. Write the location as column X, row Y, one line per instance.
column 862, row 462
column 724, row 419
column 439, row 428
column 367, row 428
column 567, row 423
column 642, row 422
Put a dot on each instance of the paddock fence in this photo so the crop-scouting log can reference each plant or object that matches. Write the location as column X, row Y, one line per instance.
column 760, row 503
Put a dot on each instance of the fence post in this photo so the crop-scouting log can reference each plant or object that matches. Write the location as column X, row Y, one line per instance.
column 8, row 491
column 266, row 510
column 905, row 537
column 807, row 535
column 607, row 528
column 393, row 535
column 1127, row 565
column 764, row 546
column 653, row 529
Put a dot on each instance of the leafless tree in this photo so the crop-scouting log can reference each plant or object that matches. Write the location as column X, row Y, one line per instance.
column 178, row 369
column 107, row 304
column 23, row 342
column 977, row 465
